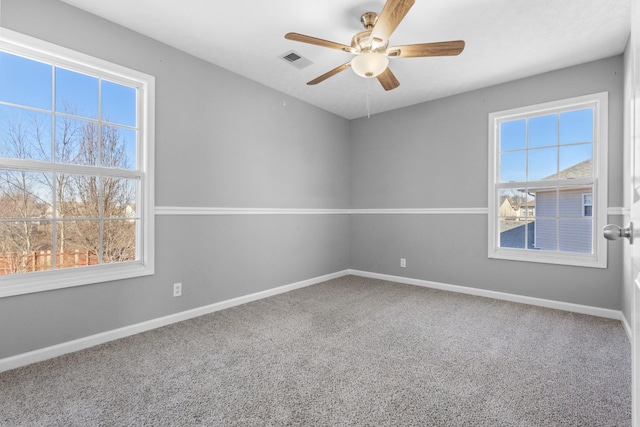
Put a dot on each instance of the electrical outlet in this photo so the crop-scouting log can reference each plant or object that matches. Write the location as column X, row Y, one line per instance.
column 403, row 263
column 177, row 289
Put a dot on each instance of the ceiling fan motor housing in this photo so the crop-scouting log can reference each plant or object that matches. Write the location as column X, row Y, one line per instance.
column 369, row 20
column 363, row 42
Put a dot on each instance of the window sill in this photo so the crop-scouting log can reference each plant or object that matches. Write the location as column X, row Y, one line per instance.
column 559, row 258
column 49, row 280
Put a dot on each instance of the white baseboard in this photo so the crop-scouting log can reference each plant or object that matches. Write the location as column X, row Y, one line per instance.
column 566, row 306
column 90, row 341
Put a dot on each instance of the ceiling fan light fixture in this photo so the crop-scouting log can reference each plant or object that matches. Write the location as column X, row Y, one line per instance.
column 369, row 64
column 371, row 46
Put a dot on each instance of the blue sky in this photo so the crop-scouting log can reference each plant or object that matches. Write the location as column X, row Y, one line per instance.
column 534, row 149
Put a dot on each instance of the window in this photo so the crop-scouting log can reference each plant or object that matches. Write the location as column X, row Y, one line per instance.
column 549, row 161
column 76, row 168
column 587, row 205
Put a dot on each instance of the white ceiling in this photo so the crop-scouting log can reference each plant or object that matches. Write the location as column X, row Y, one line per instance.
column 505, row 40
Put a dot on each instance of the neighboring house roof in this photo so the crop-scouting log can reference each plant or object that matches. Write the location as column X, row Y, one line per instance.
column 578, row 170
column 507, row 198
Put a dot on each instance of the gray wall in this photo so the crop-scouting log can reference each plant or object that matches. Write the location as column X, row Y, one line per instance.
column 221, row 141
column 434, row 155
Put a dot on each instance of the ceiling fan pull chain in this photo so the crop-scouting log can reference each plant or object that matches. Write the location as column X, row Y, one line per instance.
column 368, row 98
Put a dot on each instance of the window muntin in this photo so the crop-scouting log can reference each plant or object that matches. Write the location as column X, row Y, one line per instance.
column 75, row 168
column 551, row 159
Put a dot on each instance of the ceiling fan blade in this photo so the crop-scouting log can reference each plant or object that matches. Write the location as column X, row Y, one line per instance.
column 328, row 74
column 390, row 17
column 388, row 80
column 316, row 41
column 450, row 48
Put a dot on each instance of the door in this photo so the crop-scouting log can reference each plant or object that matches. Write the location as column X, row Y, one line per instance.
column 634, row 250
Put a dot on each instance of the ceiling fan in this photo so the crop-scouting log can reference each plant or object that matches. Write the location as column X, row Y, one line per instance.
column 371, row 46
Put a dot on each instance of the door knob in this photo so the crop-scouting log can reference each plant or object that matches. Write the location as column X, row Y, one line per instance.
column 614, row 232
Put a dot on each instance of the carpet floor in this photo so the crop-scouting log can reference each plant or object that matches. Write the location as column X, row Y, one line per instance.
column 350, row 351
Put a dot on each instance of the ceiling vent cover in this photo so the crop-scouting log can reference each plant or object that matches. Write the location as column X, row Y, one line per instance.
column 292, row 57
column 295, row 59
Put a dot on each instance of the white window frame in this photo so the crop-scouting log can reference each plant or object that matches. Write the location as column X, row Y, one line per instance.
column 597, row 259
column 24, row 283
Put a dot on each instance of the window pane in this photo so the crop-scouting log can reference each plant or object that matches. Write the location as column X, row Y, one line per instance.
column 119, row 147
column 515, row 203
column 513, row 166
column 77, row 196
column 516, row 212
column 543, row 163
column 86, row 189
column 25, row 246
column 507, row 208
column 546, row 234
column 76, row 141
column 545, row 231
column 76, row 93
column 575, row 161
column 576, row 126
column 575, row 235
column 513, row 135
column 119, row 243
column 25, row 194
column 546, row 202
column 118, row 103
column 543, row 131
column 24, row 134
column 514, row 233
column 119, row 197
column 25, row 82
column 78, row 243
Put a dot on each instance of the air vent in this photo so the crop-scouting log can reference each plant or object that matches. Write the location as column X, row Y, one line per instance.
column 295, row 59
column 292, row 57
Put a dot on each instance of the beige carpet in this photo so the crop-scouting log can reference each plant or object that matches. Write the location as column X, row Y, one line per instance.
column 351, row 351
